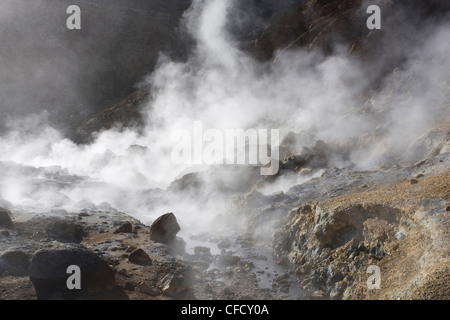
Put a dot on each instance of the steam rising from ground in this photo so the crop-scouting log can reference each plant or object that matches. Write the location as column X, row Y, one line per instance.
column 227, row 89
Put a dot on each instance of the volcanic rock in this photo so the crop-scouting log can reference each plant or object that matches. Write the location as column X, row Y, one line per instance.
column 139, row 256
column 126, row 227
column 173, row 285
column 165, row 229
column 5, row 219
column 65, row 232
column 17, row 262
column 148, row 290
column 48, row 273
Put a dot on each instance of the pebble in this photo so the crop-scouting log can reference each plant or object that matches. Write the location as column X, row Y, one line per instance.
column 399, row 235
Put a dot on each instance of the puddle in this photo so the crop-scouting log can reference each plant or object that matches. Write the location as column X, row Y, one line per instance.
column 260, row 255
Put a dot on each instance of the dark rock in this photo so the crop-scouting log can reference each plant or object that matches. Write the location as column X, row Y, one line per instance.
column 48, row 273
column 83, row 214
column 17, row 262
column 173, row 285
column 5, row 233
column 203, row 253
column 126, row 227
column 5, row 218
column 224, row 244
column 140, row 257
column 414, row 181
column 129, row 286
column 164, row 229
column 228, row 260
column 148, row 290
column 361, row 248
column 65, row 232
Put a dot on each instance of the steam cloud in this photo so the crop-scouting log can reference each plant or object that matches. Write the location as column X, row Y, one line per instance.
column 225, row 88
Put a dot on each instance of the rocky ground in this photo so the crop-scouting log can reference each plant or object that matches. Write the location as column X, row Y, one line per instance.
column 314, row 241
column 35, row 254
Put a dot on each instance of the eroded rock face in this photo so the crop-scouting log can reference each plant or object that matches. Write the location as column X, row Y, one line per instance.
column 165, row 229
column 336, row 228
column 333, row 245
column 48, row 273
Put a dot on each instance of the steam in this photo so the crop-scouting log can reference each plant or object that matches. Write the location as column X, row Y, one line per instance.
column 225, row 88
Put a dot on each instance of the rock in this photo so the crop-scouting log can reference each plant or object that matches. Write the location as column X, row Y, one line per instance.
column 228, row 260
column 337, row 292
column 65, row 232
column 48, row 273
column 5, row 218
column 319, row 294
column 140, row 257
column 414, row 181
column 361, row 248
column 148, row 290
column 178, row 245
column 126, row 227
column 5, row 233
column 399, row 235
column 172, row 285
column 281, row 278
column 164, row 229
column 129, row 286
column 224, row 244
column 17, row 262
column 202, row 252
column 447, row 209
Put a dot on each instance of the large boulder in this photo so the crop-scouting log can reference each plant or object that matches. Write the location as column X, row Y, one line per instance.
column 16, row 262
column 5, row 218
column 48, row 273
column 165, row 229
